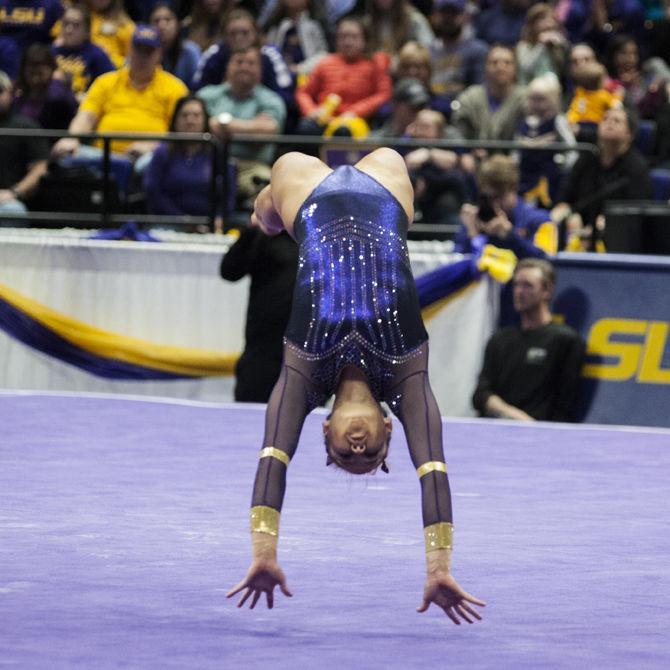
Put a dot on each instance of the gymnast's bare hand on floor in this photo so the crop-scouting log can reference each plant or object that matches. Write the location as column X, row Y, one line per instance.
column 443, row 590
column 262, row 577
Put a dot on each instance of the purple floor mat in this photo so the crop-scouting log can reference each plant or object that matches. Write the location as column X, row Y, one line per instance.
column 124, row 522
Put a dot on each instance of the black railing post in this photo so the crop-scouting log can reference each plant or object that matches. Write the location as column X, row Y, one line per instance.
column 225, row 174
column 105, row 181
column 213, row 195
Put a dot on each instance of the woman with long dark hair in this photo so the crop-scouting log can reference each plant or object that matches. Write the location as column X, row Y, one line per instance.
column 39, row 95
column 177, row 180
column 180, row 56
column 204, row 25
column 393, row 23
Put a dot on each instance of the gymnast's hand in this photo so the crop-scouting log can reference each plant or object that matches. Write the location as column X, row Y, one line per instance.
column 262, row 577
column 443, row 590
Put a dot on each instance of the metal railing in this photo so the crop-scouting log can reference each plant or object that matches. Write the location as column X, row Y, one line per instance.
column 220, row 153
column 104, row 216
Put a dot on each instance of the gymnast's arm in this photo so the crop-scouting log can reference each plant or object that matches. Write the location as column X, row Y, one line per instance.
column 265, row 214
column 292, row 398
column 415, row 405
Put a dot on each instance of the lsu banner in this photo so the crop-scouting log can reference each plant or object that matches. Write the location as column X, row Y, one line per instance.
column 621, row 306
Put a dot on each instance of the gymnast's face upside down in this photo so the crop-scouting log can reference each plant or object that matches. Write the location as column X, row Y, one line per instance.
column 357, row 436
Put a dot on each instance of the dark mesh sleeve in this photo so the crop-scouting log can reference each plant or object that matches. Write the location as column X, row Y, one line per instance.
column 411, row 399
column 292, row 398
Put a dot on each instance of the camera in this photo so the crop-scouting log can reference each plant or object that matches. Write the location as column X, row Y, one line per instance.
column 486, row 210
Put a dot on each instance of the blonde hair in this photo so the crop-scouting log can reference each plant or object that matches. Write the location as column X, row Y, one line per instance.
column 548, row 86
column 434, row 117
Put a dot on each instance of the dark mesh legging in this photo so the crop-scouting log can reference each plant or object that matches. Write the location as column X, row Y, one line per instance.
column 408, row 394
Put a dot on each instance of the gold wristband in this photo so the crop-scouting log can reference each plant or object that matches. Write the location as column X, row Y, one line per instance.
column 264, row 520
column 438, row 536
column 431, row 466
column 271, row 452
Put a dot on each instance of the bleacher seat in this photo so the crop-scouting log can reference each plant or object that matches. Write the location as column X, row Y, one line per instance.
column 119, row 167
column 645, row 138
column 660, row 179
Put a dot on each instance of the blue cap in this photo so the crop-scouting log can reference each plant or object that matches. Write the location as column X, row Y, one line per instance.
column 146, row 36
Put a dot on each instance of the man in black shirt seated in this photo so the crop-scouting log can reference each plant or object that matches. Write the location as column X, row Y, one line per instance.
column 531, row 371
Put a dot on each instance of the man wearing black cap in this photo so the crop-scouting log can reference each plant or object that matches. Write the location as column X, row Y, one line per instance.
column 409, row 97
column 138, row 98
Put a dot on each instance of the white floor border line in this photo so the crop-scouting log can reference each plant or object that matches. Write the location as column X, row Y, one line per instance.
column 131, row 397
column 260, row 407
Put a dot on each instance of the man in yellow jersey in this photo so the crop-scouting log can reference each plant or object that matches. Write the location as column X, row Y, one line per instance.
column 140, row 97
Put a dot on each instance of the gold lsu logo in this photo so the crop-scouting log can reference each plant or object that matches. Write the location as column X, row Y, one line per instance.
column 22, row 15
column 641, row 359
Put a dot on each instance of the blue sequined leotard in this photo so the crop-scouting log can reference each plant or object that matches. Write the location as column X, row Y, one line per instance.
column 355, row 303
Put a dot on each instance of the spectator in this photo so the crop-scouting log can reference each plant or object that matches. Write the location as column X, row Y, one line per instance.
column 271, row 262
column 393, row 23
column 332, row 10
column 409, row 97
column 39, row 95
column 413, row 61
column 582, row 54
column 241, row 32
column 297, row 30
column 598, row 21
column 138, row 98
column 79, row 60
column 458, row 59
column 347, row 84
column 178, row 179
column 531, row 371
column 590, row 102
column 438, row 175
column 204, row 25
column 111, row 29
column 623, row 65
column 502, row 218
column 243, row 105
column 618, row 172
column 502, row 22
column 542, row 171
column 491, row 111
column 24, row 159
column 543, row 47
column 180, row 56
column 644, row 87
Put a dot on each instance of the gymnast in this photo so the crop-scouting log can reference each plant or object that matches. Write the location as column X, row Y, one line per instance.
column 356, row 332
